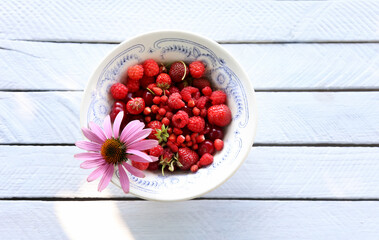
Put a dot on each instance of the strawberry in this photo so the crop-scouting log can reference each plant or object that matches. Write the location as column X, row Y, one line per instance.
column 163, row 81
column 187, row 158
column 140, row 165
column 135, row 105
column 154, row 125
column 219, row 115
column 178, row 71
column 206, row 159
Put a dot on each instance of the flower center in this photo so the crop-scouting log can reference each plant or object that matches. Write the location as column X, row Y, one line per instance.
column 113, row 151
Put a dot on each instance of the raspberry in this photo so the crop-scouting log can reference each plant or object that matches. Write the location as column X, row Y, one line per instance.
column 178, row 71
column 201, row 102
column 207, row 91
column 194, row 168
column 163, row 81
column 180, row 119
column 156, row 151
column 218, row 97
column 140, row 165
column 175, row 101
column 190, row 92
column 135, row 105
column 219, row 115
column 173, row 89
column 154, row 125
column 145, row 81
column 135, row 72
column 219, row 144
column 132, row 85
column 201, row 83
column 196, row 124
column 196, row 69
column 206, row 159
column 151, row 68
column 187, row 158
column 119, row 91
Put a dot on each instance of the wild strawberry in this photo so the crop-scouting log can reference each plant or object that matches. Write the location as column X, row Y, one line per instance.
column 201, row 83
column 163, row 81
column 119, row 91
column 218, row 97
column 219, row 115
column 180, row 139
column 177, row 131
column 207, row 91
column 147, row 119
column 140, row 165
column 218, row 144
column 169, row 115
column 195, row 146
column 175, row 101
column 158, row 91
column 135, row 72
column 203, row 112
column 132, row 85
column 189, row 93
column 156, row 151
column 180, row 119
column 164, row 99
column 191, row 103
column 188, row 138
column 145, row 81
column 172, row 146
column 197, row 69
column 151, row 86
column 178, row 71
column 165, row 121
column 154, row 109
column 150, row 67
column 162, row 111
column 135, row 106
column 194, row 168
column 157, row 100
column 196, row 124
column 187, row 158
column 154, row 125
column 206, row 159
column 147, row 111
column 196, row 111
column 158, row 117
column 200, row 138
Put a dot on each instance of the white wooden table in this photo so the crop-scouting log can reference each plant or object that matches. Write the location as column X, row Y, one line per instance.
column 312, row 174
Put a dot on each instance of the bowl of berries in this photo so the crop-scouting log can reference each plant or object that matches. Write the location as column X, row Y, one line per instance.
column 195, row 102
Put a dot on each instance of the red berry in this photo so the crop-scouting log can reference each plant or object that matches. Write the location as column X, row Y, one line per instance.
column 158, row 91
column 180, row 119
column 207, row 91
column 194, row 168
column 169, row 115
column 163, row 81
column 196, row 124
column 156, row 100
column 169, row 130
column 177, row 131
column 203, row 113
column 189, row 93
column 162, row 111
column 178, row 71
column 147, row 119
column 153, row 166
column 191, row 103
column 132, row 85
column 206, row 147
column 140, row 165
column 158, row 117
column 147, row 111
column 118, row 106
column 188, row 138
column 218, row 144
column 156, row 151
column 197, row 69
column 201, row 83
column 172, row 146
column 173, row 89
column 151, row 86
column 201, row 102
column 215, row 133
column 146, row 81
column 150, row 67
column 218, row 97
column 180, row 139
column 119, row 91
column 164, row 99
column 154, row 109
column 135, row 106
column 135, row 72
column 162, row 68
column 206, row 159
column 187, row 158
column 165, row 121
column 172, row 138
column 154, row 125
column 175, row 101
column 195, row 146
column 196, row 111
column 219, row 115
column 200, row 138
column 147, row 97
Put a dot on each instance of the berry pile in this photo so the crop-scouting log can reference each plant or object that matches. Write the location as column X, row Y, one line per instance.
column 187, row 116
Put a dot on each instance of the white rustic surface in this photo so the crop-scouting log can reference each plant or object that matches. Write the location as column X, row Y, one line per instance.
column 314, row 175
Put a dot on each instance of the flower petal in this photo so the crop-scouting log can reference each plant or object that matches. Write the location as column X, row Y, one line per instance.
column 137, row 158
column 143, row 145
column 88, row 156
column 97, row 130
column 107, row 126
column 92, row 163
column 117, row 124
column 143, row 155
column 133, row 126
column 89, row 146
column 106, row 178
column 97, row 173
column 134, row 171
column 136, row 136
column 124, row 179
column 92, row 136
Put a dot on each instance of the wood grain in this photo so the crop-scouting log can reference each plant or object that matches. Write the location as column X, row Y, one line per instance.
column 268, row 172
column 283, row 118
column 284, row 21
column 205, row 219
column 49, row 66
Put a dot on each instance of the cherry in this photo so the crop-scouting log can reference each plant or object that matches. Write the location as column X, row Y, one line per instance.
column 119, row 104
column 139, row 93
column 206, row 147
column 207, row 129
column 187, row 110
column 117, row 107
column 148, row 98
column 128, row 97
column 215, row 133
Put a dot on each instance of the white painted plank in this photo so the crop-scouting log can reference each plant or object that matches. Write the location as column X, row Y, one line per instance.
column 189, row 220
column 38, row 66
column 283, row 117
column 226, row 21
column 268, row 172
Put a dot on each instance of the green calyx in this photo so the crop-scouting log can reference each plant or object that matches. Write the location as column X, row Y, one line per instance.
column 170, row 163
column 162, row 134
